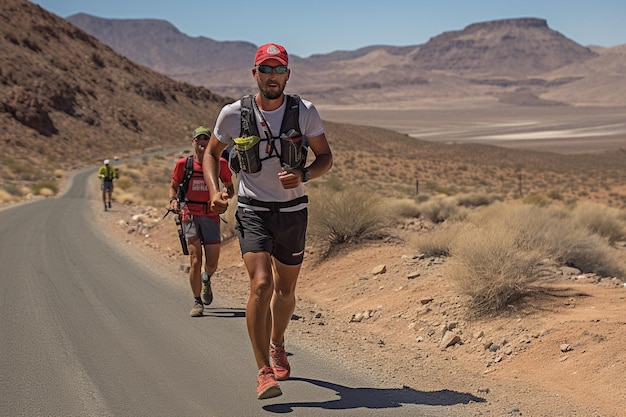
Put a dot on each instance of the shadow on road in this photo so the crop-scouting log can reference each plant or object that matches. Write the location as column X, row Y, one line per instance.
column 225, row 312
column 375, row 398
column 230, row 312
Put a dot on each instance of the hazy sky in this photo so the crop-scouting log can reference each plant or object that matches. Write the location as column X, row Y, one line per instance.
column 322, row 26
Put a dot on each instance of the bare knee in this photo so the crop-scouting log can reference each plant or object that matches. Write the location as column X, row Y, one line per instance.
column 284, row 293
column 210, row 267
column 261, row 286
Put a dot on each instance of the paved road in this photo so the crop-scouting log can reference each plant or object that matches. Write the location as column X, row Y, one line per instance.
column 87, row 331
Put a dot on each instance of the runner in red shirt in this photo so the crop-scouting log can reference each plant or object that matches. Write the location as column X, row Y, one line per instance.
column 200, row 225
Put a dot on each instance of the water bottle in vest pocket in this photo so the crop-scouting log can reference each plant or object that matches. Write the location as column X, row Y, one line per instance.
column 247, row 156
column 292, row 149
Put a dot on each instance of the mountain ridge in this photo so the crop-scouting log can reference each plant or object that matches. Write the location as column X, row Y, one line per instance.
column 448, row 65
column 67, row 100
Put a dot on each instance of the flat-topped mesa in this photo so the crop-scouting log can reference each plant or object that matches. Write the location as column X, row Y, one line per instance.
column 522, row 22
column 509, row 47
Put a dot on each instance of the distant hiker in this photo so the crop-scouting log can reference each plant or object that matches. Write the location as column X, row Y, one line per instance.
column 190, row 197
column 269, row 132
column 107, row 174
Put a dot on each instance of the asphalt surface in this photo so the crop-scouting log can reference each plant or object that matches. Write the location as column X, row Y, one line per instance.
column 86, row 330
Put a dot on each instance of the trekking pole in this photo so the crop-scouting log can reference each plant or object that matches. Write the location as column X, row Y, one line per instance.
column 181, row 233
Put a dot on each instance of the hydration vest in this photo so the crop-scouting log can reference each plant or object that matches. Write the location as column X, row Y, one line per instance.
column 290, row 118
column 246, row 156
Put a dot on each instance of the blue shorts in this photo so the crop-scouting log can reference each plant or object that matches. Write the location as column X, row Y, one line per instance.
column 106, row 185
column 282, row 234
column 207, row 228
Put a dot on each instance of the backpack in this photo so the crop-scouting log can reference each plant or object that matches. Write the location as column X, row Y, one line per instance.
column 184, row 186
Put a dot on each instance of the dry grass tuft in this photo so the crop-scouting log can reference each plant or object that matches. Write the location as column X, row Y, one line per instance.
column 403, row 208
column 488, row 265
column 502, row 253
column 437, row 242
column 343, row 217
column 608, row 222
column 438, row 210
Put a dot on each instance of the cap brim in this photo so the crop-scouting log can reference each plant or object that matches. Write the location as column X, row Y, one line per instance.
column 282, row 61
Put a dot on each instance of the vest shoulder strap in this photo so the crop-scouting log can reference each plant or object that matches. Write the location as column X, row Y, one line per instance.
column 292, row 114
column 248, row 121
column 182, row 189
column 290, row 118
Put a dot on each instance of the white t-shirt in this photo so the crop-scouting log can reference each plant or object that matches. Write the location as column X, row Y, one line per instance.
column 265, row 185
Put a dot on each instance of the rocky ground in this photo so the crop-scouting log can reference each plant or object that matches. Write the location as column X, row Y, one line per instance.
column 388, row 311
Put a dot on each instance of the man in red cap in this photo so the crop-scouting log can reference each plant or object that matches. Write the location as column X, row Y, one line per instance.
column 269, row 131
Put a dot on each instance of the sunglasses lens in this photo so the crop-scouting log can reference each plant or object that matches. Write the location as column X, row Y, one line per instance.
column 267, row 69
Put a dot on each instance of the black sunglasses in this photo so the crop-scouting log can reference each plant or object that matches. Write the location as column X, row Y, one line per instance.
column 267, row 69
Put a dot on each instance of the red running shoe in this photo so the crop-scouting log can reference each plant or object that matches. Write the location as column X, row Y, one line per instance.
column 266, row 386
column 281, row 366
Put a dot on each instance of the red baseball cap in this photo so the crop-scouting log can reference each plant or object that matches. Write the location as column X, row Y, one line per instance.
column 269, row 51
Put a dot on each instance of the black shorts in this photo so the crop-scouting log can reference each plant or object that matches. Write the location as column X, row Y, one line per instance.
column 282, row 234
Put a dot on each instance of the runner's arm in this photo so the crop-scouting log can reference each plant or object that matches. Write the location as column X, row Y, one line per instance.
column 210, row 169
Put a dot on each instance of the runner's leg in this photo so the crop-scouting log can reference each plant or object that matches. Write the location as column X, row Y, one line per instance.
column 283, row 301
column 258, row 315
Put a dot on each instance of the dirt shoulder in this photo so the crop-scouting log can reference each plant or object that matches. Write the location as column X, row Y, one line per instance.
column 385, row 310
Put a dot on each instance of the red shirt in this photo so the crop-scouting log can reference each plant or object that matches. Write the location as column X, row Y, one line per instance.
column 197, row 192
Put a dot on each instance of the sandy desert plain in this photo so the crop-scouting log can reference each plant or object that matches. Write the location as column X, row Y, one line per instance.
column 559, row 129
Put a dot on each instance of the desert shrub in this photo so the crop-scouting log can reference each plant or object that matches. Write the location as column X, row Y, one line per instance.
column 441, row 209
column 532, row 224
column 136, row 175
column 474, row 199
column 438, row 188
column 404, row 207
column 124, row 183
column 156, row 196
column 21, row 169
column 13, row 189
column 501, row 256
column 5, row 196
column 488, row 265
column 568, row 242
column 536, row 199
column 422, row 198
column 555, row 233
column 602, row 220
column 555, row 195
column 51, row 188
column 437, row 242
column 46, row 192
column 344, row 217
column 125, row 198
column 591, row 253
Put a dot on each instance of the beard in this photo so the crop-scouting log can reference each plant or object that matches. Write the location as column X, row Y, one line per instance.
column 272, row 94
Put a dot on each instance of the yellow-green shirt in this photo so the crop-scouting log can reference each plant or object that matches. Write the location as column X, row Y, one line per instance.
column 107, row 173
